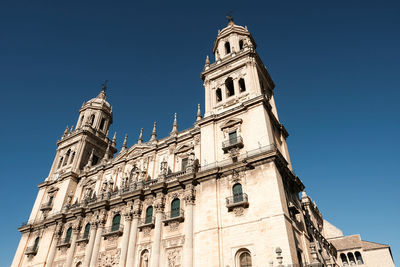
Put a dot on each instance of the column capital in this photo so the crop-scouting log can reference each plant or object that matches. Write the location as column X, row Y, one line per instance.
column 190, row 194
column 159, row 202
column 128, row 216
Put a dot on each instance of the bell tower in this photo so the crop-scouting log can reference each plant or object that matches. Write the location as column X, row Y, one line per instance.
column 88, row 144
column 239, row 99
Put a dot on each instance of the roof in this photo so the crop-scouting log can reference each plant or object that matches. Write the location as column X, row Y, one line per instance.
column 353, row 242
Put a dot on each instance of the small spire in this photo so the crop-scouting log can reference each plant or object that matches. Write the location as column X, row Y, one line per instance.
column 207, row 61
column 198, row 117
column 140, row 140
column 72, row 129
column 107, row 154
column 66, row 130
column 154, row 133
column 114, row 139
column 175, row 126
column 125, row 141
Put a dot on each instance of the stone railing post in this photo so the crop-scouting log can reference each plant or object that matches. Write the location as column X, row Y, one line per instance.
column 188, row 226
column 71, row 251
column 137, row 209
column 96, row 248
column 89, row 247
column 125, row 238
column 155, row 250
column 53, row 247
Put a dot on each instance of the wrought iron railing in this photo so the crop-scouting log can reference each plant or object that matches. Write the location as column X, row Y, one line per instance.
column 46, row 206
column 114, row 229
column 174, row 215
column 32, row 250
column 232, row 142
column 143, row 222
column 237, row 199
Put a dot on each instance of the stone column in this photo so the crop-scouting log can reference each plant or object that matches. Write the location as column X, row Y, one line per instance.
column 101, row 222
column 137, row 209
column 125, row 239
column 155, row 249
column 53, row 247
column 89, row 247
column 188, row 226
column 71, row 251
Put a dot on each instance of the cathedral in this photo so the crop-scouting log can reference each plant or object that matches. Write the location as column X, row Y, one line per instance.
column 219, row 194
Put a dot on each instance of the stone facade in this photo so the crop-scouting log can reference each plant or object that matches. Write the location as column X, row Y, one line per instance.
column 221, row 193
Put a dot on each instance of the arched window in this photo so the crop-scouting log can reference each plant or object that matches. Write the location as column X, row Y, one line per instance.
column 149, row 215
column 91, row 120
column 241, row 44
column 359, row 258
column 237, row 193
column 68, row 235
column 61, row 160
column 79, row 264
column 218, row 94
column 351, row 258
column 344, row 259
column 36, row 244
column 242, row 85
column 87, row 231
column 243, row 258
column 116, row 222
column 227, row 48
column 102, row 123
column 230, row 91
column 144, row 258
column 175, row 208
column 67, row 157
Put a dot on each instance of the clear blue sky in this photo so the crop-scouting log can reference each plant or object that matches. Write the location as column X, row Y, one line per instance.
column 335, row 65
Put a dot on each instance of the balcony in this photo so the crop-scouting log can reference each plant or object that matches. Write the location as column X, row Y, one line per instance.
column 46, row 206
column 171, row 217
column 146, row 223
column 239, row 200
column 234, row 142
column 113, row 230
column 65, row 242
column 31, row 251
column 83, row 238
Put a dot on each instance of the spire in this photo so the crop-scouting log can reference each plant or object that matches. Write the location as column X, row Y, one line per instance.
column 114, row 139
column 198, row 117
column 125, row 141
column 102, row 94
column 66, row 130
column 207, row 64
column 154, row 133
column 175, row 126
column 140, row 140
column 107, row 154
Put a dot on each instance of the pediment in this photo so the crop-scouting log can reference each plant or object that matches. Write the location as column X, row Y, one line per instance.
column 183, row 148
column 231, row 122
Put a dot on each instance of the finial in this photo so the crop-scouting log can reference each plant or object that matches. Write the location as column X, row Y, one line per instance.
column 114, row 139
column 154, row 133
column 72, row 129
column 175, row 126
column 207, row 61
column 198, row 117
column 125, row 141
column 140, row 140
column 102, row 94
column 107, row 154
column 230, row 18
column 66, row 131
